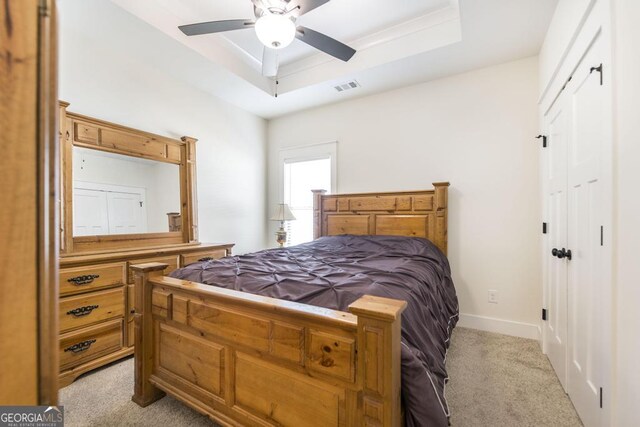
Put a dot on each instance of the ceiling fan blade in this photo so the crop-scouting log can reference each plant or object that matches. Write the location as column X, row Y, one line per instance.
column 269, row 62
column 307, row 5
column 325, row 43
column 216, row 26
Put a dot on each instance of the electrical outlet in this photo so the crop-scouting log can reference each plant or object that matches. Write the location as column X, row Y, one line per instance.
column 493, row 297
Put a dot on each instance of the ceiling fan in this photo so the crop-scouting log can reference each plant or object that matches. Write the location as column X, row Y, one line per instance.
column 275, row 27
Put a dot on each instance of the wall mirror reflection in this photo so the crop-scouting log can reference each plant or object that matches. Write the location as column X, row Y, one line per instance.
column 119, row 194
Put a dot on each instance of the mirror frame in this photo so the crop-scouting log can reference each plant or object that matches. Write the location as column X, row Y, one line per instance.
column 88, row 132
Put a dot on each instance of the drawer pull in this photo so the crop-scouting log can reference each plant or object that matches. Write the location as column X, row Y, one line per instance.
column 82, row 311
column 207, row 258
column 83, row 280
column 80, row 347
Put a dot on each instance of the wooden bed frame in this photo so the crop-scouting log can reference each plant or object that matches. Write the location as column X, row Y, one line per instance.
column 247, row 360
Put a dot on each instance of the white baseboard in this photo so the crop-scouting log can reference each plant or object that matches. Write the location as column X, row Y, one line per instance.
column 500, row 326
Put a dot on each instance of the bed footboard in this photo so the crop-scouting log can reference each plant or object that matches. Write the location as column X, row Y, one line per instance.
column 248, row 360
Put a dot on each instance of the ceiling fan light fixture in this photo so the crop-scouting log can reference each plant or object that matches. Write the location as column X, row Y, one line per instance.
column 275, row 31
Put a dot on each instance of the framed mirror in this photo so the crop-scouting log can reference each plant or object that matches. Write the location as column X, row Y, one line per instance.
column 118, row 194
column 124, row 188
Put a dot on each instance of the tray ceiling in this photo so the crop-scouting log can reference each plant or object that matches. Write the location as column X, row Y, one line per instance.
column 381, row 31
column 399, row 43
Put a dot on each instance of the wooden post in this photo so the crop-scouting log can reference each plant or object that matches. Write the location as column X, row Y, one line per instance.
column 66, row 181
column 441, row 203
column 190, row 222
column 145, row 393
column 379, row 321
column 28, row 307
column 65, row 141
column 317, row 212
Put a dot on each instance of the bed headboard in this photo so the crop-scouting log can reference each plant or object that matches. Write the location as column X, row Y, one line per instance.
column 409, row 213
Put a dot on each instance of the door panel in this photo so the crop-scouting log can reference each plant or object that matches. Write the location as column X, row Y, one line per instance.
column 585, row 373
column 573, row 334
column 126, row 213
column 90, row 214
column 556, row 325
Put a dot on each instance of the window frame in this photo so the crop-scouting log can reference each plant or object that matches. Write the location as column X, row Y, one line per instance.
column 305, row 153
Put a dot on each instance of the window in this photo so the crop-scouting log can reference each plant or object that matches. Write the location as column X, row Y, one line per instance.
column 303, row 170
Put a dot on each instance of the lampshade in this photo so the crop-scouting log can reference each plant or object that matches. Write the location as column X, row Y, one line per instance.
column 275, row 31
column 282, row 213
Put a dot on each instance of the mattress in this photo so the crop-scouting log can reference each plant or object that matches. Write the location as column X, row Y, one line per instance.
column 334, row 271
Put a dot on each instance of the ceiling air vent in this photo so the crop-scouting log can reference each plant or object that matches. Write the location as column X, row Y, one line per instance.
column 347, row 86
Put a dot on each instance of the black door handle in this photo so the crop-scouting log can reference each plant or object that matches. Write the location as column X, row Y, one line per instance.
column 562, row 253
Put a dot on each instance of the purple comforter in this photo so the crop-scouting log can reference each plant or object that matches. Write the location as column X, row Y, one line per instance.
column 333, row 272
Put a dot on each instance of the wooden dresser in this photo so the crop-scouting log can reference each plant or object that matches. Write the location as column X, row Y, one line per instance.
column 96, row 283
column 96, row 302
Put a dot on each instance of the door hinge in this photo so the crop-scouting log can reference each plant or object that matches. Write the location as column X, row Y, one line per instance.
column 598, row 69
column 600, row 397
column 544, row 228
column 602, row 235
column 566, row 83
column 544, row 140
column 544, row 314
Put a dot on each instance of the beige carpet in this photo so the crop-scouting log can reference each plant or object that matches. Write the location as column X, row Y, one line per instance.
column 503, row 381
column 495, row 381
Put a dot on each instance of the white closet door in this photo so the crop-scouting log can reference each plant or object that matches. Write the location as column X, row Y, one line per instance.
column 90, row 214
column 556, row 169
column 585, row 283
column 127, row 215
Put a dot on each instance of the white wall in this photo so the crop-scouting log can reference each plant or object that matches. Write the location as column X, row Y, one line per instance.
column 627, row 211
column 475, row 130
column 101, row 76
column 166, row 192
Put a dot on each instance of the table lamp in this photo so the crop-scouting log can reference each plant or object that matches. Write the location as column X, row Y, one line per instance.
column 282, row 213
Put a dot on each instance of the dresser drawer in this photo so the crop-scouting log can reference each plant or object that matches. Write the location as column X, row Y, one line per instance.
column 172, row 261
column 82, row 279
column 85, row 309
column 90, row 343
column 202, row 256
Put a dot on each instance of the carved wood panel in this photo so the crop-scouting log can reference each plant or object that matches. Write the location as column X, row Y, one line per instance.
column 419, row 214
column 348, row 224
column 377, row 203
column 332, row 355
column 239, row 328
column 196, row 360
column 373, row 352
column 287, row 342
column 403, row 225
column 130, row 143
column 312, row 403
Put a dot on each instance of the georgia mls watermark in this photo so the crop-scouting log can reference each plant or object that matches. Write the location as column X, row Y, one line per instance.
column 31, row 416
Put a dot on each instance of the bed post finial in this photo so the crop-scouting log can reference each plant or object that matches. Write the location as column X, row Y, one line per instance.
column 379, row 334
column 317, row 212
column 145, row 393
